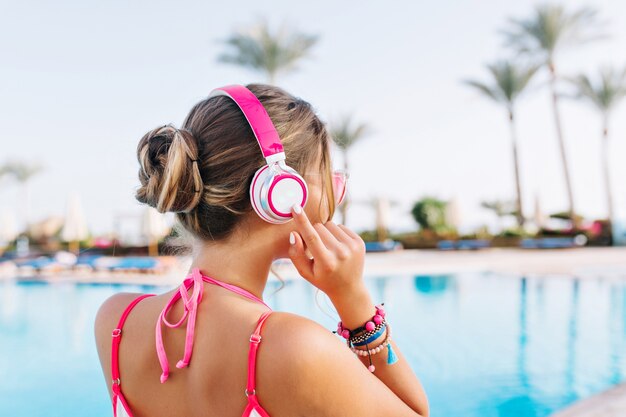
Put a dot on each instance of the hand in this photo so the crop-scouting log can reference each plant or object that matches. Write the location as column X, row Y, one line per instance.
column 338, row 254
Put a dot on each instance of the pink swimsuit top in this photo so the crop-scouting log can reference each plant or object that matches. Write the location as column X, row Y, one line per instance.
column 120, row 405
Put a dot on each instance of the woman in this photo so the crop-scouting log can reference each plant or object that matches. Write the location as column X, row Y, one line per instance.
column 244, row 209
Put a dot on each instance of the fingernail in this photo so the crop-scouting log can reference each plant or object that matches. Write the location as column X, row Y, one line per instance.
column 292, row 238
column 297, row 209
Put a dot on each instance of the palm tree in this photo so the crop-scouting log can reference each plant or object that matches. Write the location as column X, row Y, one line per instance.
column 549, row 30
column 509, row 81
column 270, row 53
column 345, row 135
column 604, row 95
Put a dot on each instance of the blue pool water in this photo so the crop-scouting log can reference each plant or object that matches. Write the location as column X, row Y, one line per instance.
column 482, row 345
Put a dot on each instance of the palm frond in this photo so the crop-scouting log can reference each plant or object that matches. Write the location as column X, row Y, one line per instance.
column 508, row 81
column 488, row 91
column 345, row 134
column 20, row 170
column 605, row 91
column 550, row 28
column 260, row 49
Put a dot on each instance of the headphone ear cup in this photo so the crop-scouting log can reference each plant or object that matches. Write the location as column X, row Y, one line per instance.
column 286, row 189
column 256, row 189
column 272, row 193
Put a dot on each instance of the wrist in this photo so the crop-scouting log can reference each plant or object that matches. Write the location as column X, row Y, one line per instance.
column 347, row 292
column 355, row 307
column 375, row 342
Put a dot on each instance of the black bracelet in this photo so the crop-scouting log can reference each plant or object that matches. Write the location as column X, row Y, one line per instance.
column 363, row 336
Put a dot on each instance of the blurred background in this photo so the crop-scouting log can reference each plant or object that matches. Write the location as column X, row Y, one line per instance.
column 484, row 142
column 82, row 84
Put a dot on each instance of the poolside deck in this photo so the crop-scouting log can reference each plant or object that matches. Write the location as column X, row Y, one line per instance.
column 610, row 403
column 576, row 262
column 607, row 263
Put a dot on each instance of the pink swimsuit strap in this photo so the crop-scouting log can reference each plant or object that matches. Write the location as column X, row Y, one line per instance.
column 115, row 346
column 255, row 339
column 190, row 311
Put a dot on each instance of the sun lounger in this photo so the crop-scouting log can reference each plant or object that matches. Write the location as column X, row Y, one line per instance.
column 549, row 243
column 471, row 244
column 385, row 246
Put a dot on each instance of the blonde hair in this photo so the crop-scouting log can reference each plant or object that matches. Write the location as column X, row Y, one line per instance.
column 202, row 171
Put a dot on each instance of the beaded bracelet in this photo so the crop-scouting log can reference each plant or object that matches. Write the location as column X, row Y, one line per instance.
column 369, row 326
column 370, row 339
column 375, row 349
column 363, row 336
column 391, row 356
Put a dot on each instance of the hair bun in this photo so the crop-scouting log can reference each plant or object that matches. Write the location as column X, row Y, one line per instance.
column 169, row 173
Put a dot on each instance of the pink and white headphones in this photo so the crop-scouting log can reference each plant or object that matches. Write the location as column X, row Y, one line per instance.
column 276, row 187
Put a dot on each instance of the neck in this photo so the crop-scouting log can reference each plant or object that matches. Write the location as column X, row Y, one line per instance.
column 244, row 260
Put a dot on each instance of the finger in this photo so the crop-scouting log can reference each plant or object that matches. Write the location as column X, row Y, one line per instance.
column 309, row 235
column 349, row 232
column 329, row 240
column 339, row 234
column 298, row 256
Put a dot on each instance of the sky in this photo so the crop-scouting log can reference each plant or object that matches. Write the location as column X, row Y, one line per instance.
column 82, row 81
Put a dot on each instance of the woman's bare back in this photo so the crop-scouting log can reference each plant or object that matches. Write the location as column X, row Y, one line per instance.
column 302, row 369
column 214, row 382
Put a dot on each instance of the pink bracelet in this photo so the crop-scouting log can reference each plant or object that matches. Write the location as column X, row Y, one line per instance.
column 375, row 349
column 391, row 355
column 369, row 326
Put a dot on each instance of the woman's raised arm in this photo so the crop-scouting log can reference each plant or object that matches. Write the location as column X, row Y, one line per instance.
column 320, row 377
column 336, row 267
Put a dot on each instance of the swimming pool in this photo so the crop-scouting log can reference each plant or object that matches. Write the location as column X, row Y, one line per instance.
column 482, row 344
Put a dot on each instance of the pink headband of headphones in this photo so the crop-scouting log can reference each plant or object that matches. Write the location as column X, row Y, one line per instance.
column 275, row 187
column 257, row 117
